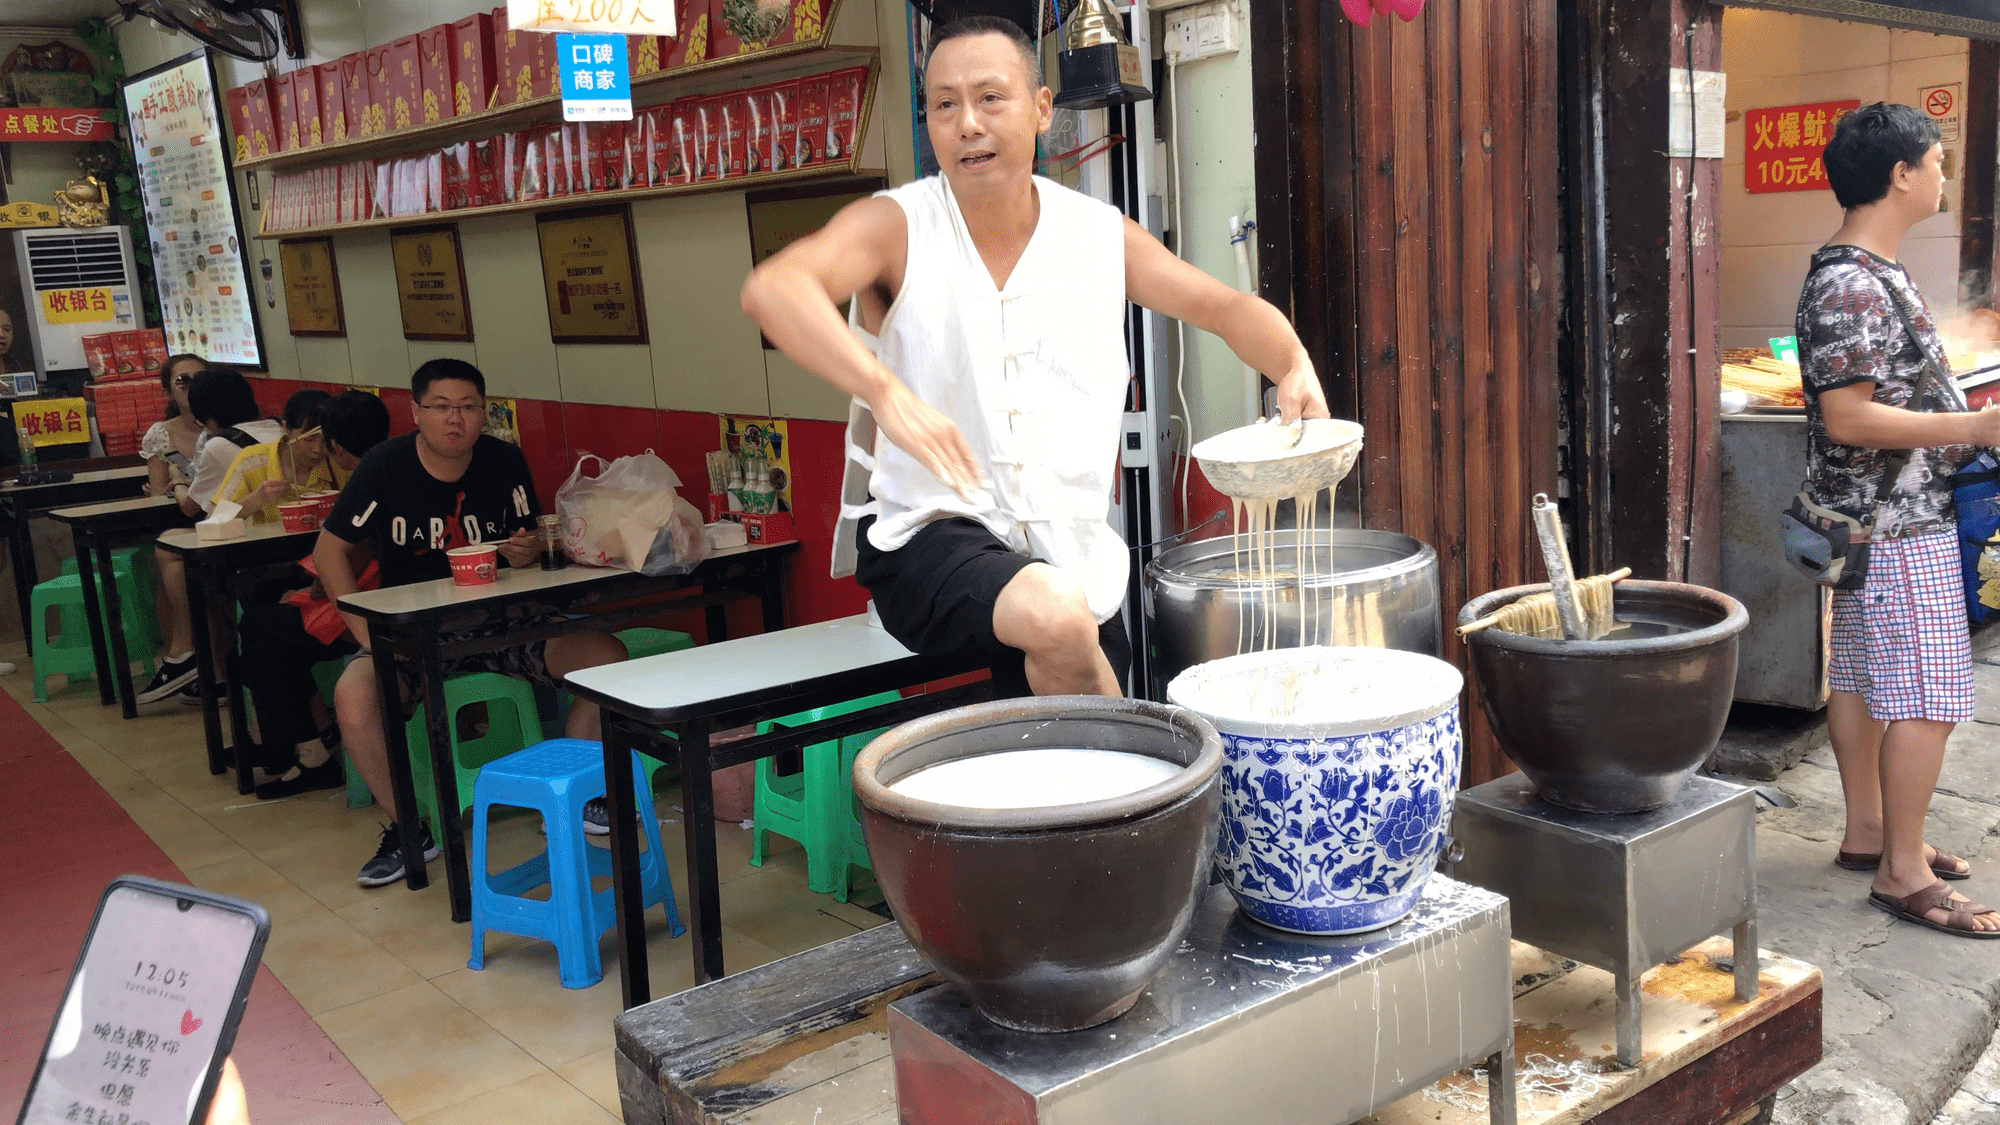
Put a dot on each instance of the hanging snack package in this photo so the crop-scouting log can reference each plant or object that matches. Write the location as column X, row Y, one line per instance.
column 843, row 113
column 735, row 150
column 812, row 121
column 482, row 181
column 681, row 142
column 784, row 103
column 237, row 99
column 305, row 106
column 707, row 135
column 757, row 122
column 690, row 42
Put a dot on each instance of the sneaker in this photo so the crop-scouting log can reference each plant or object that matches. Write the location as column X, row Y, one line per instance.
column 190, row 696
column 387, row 865
column 299, row 779
column 596, row 818
column 173, row 676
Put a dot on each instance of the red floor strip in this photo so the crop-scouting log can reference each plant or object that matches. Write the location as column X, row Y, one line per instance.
column 65, row 837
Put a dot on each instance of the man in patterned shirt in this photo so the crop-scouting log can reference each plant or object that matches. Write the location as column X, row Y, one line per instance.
column 1901, row 669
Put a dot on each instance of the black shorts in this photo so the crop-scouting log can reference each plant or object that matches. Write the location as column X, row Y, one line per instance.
column 935, row 595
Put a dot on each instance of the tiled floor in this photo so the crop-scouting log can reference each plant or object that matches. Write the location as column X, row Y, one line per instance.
column 383, row 971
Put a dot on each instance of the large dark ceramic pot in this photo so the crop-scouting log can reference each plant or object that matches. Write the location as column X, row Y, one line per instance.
column 1619, row 724
column 1052, row 918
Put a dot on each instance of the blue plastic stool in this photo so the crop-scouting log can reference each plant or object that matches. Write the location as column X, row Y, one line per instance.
column 555, row 778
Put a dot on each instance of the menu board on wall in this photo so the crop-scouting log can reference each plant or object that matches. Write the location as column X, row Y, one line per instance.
column 180, row 145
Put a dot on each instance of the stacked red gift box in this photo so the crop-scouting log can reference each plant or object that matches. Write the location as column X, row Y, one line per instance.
column 125, row 385
column 475, row 64
column 799, row 123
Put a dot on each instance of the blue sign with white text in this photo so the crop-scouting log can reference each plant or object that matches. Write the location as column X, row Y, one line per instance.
column 596, row 85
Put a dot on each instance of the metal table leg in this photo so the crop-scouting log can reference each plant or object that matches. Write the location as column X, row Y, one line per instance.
column 704, row 895
column 114, row 625
column 403, row 788
column 21, row 552
column 1745, row 957
column 716, row 616
column 772, row 593
column 93, row 614
column 626, row 890
column 1626, row 1017
column 201, row 616
column 444, row 775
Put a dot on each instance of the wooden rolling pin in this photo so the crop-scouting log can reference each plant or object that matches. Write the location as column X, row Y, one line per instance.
column 1486, row 622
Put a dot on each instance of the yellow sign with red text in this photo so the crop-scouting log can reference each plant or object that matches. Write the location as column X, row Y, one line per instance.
column 53, row 421
column 76, row 306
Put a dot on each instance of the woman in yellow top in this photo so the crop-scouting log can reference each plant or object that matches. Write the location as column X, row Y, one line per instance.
column 266, row 475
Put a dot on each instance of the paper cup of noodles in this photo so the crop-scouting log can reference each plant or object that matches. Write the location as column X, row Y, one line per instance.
column 474, row 566
column 321, row 501
column 300, row 515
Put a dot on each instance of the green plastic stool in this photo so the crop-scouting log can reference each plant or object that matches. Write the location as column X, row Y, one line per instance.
column 644, row 640
column 853, row 846
column 132, row 570
column 513, row 723
column 69, row 651
column 647, row 641
column 811, row 806
column 327, row 675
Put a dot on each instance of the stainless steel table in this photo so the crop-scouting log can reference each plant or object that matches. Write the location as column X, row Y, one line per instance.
column 96, row 529
column 1621, row 891
column 20, row 504
column 228, row 567
column 668, row 705
column 409, row 623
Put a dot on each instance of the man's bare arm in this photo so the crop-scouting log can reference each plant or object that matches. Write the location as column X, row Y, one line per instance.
column 1853, row 417
column 1252, row 327
column 340, row 564
column 793, row 298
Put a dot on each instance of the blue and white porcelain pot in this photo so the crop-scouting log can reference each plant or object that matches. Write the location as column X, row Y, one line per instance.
column 1339, row 770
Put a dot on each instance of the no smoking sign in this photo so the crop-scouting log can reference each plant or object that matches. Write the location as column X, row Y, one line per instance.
column 1942, row 104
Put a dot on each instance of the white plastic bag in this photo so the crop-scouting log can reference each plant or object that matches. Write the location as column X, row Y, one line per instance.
column 629, row 515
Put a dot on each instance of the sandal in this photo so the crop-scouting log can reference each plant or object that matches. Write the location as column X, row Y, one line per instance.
column 1937, row 896
column 1944, row 865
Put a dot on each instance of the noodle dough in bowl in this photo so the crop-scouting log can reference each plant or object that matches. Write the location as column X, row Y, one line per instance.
column 1270, row 461
column 1340, row 766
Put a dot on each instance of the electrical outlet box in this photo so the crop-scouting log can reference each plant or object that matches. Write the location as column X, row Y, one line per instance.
column 1202, row 31
column 1135, row 449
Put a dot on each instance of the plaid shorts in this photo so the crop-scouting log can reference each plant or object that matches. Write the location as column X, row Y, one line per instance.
column 1901, row 640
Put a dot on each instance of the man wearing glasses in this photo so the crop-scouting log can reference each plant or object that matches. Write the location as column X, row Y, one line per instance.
column 411, row 499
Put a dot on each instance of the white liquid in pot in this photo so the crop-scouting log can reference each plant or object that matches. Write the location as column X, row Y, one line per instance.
column 1026, row 779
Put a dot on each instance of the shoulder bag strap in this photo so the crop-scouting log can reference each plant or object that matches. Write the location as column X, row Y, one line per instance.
column 1898, row 459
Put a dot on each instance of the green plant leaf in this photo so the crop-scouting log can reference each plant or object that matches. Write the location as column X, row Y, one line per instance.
column 124, row 182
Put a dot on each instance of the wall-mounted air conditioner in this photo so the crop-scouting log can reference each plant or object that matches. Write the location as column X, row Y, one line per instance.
column 76, row 283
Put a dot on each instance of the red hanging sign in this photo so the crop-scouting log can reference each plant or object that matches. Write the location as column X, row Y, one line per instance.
column 1782, row 145
column 64, row 126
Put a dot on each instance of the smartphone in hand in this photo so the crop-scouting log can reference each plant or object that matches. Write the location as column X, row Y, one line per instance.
column 151, row 1009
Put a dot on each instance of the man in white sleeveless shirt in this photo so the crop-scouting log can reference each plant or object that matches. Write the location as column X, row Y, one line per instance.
column 986, row 360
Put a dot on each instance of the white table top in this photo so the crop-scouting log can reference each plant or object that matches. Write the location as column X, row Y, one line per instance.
column 745, row 666
column 92, row 476
column 113, row 507
column 442, row 593
column 186, row 539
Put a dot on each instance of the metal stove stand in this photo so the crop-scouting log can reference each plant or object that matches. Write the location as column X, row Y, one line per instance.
column 1623, row 892
column 1244, row 1024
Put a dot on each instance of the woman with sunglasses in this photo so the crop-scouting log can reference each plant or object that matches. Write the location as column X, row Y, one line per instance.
column 169, row 445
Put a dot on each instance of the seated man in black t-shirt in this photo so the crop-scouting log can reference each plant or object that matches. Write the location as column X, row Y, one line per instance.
column 410, row 500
